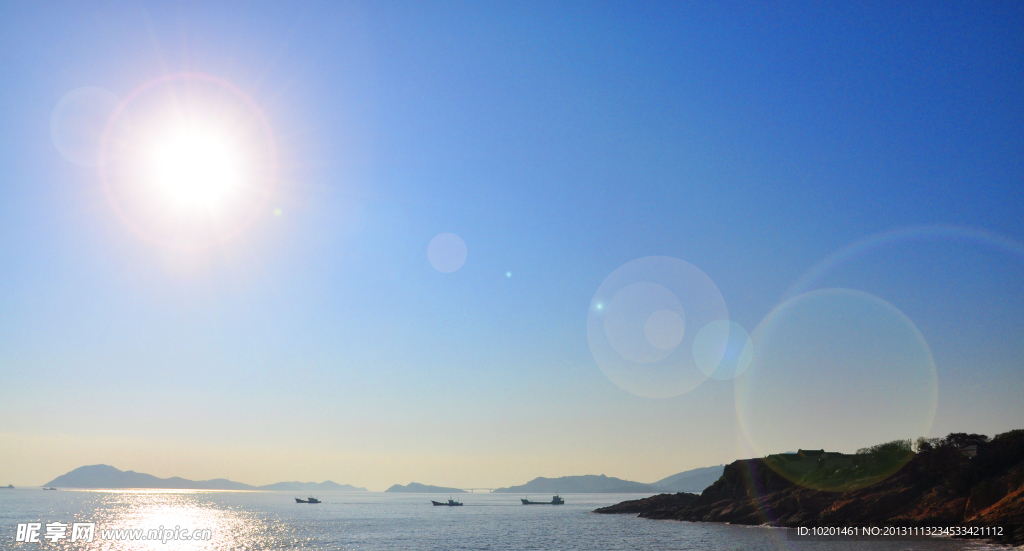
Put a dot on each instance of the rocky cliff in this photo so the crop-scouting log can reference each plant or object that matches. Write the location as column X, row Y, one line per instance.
column 654, row 504
column 947, row 483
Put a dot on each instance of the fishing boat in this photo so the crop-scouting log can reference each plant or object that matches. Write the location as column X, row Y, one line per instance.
column 310, row 500
column 451, row 503
column 555, row 500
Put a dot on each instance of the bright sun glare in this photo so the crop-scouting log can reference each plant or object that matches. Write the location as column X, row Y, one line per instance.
column 195, row 167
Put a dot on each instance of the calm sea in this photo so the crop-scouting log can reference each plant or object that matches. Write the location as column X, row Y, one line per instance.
column 379, row 521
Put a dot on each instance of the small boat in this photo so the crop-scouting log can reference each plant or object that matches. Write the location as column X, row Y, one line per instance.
column 451, row 503
column 310, row 500
column 49, row 488
column 555, row 500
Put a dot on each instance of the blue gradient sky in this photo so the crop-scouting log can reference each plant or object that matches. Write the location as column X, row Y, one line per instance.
column 752, row 140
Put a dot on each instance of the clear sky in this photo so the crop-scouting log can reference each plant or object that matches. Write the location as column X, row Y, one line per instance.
column 304, row 333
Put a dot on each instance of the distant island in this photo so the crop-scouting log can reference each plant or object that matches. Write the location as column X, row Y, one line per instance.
column 417, row 488
column 586, row 484
column 326, row 486
column 693, row 481
column 965, row 480
column 688, row 481
column 105, row 476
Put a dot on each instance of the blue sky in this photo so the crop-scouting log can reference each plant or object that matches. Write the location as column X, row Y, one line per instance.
column 559, row 142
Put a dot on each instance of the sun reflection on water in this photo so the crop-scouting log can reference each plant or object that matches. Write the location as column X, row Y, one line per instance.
column 149, row 511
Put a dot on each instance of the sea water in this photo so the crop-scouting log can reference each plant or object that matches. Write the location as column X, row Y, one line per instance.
column 386, row 522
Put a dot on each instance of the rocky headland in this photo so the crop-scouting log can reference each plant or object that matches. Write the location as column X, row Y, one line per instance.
column 959, row 480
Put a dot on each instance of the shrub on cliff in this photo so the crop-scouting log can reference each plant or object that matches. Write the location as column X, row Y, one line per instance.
column 1003, row 452
column 947, row 460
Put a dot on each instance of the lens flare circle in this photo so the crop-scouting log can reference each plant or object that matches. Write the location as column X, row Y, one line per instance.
column 840, row 370
column 201, row 166
column 665, row 328
column 723, row 350
column 902, row 236
column 447, row 253
column 638, row 325
column 79, row 121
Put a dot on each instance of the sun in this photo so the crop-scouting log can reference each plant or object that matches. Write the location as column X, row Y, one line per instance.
column 195, row 167
column 198, row 166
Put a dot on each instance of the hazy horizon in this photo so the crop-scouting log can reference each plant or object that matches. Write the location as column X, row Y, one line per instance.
column 341, row 482
column 471, row 245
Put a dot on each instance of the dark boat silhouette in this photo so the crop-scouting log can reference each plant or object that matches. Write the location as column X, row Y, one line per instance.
column 451, row 503
column 49, row 488
column 310, row 500
column 555, row 500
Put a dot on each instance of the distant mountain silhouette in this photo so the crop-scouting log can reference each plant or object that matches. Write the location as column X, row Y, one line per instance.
column 586, row 484
column 105, row 476
column 417, row 488
column 693, row 481
column 327, row 486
